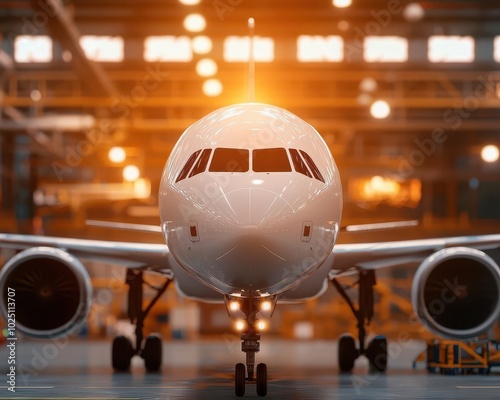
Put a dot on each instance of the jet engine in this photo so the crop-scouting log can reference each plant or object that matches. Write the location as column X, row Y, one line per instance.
column 50, row 289
column 456, row 292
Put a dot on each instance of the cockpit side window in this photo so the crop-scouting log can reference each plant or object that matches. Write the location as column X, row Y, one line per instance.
column 229, row 160
column 270, row 160
column 312, row 166
column 299, row 164
column 187, row 167
column 201, row 165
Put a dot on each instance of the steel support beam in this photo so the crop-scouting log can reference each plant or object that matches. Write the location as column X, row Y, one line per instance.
column 63, row 28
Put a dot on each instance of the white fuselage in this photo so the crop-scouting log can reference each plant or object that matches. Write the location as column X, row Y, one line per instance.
column 250, row 200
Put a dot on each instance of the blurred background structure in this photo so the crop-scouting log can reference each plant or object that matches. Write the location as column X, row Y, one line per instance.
column 95, row 93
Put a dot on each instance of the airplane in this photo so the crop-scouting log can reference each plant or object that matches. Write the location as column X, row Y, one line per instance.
column 250, row 208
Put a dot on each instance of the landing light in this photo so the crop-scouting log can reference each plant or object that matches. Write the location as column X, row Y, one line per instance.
column 234, row 305
column 261, row 325
column 266, row 305
column 240, row 325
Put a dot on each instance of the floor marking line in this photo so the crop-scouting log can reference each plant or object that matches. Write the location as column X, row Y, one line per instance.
column 29, row 387
column 130, row 387
column 477, row 387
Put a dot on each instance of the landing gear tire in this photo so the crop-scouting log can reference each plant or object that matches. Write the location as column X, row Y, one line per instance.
column 347, row 353
column 152, row 353
column 121, row 353
column 239, row 380
column 377, row 354
column 262, row 380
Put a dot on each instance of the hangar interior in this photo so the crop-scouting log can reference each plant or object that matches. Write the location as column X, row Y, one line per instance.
column 94, row 95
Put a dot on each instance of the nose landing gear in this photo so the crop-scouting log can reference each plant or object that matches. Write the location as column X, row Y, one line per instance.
column 250, row 345
column 250, row 314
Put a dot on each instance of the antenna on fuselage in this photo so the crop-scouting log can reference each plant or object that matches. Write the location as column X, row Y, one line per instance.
column 251, row 62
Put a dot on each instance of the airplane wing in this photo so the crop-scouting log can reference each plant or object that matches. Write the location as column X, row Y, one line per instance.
column 126, row 254
column 386, row 254
column 455, row 289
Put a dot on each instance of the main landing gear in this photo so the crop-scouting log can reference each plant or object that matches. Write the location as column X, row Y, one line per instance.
column 250, row 315
column 122, row 349
column 376, row 352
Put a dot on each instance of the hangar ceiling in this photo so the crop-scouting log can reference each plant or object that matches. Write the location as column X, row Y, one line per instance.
column 144, row 106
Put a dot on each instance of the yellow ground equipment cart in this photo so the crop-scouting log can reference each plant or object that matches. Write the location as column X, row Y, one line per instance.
column 453, row 357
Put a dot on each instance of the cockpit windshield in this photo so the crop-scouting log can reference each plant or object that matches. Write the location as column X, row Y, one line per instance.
column 270, row 160
column 229, row 160
column 238, row 160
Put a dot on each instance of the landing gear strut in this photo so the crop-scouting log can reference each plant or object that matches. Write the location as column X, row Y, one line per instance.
column 376, row 352
column 122, row 349
column 253, row 309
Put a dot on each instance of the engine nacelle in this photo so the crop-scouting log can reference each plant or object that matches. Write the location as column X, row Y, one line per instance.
column 52, row 291
column 456, row 292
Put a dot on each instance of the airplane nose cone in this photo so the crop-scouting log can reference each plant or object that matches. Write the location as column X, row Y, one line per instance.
column 249, row 209
column 248, row 233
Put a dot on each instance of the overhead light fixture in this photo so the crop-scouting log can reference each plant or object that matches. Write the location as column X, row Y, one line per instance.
column 168, row 48
column 343, row 25
column 320, row 48
column 451, row 49
column 380, row 109
column 195, row 23
column 364, row 99
column 368, row 84
column 496, row 49
column 385, row 49
column 212, row 87
column 413, row 12
column 36, row 95
column 490, row 153
column 103, row 48
column 206, row 67
column 67, row 56
column 202, row 44
column 190, row 2
column 342, row 3
column 29, row 49
column 131, row 173
column 237, row 49
column 117, row 155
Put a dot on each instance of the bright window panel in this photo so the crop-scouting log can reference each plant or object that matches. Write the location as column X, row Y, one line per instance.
column 103, row 48
column 496, row 49
column 450, row 49
column 33, row 49
column 168, row 48
column 237, row 49
column 385, row 49
column 320, row 48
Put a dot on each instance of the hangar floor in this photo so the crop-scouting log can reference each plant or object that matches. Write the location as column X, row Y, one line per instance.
column 203, row 370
